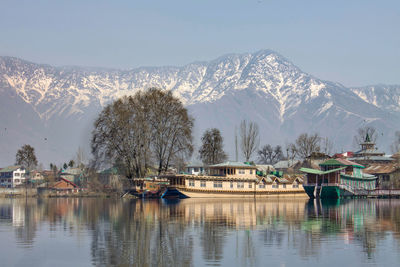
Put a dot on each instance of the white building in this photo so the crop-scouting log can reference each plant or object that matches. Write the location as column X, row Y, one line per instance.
column 12, row 176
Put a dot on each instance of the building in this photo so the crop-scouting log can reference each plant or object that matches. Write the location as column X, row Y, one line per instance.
column 369, row 154
column 12, row 176
column 74, row 175
column 388, row 175
column 64, row 186
column 337, row 178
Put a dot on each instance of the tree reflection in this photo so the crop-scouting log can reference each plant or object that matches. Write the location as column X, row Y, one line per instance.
column 158, row 233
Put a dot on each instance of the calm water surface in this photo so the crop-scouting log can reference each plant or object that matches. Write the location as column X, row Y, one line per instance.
column 193, row 232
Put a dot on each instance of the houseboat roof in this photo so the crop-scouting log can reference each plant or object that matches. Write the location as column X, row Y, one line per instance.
column 319, row 172
column 233, row 164
column 341, row 162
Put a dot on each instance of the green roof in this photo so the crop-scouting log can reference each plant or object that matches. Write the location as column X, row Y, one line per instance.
column 319, row 172
column 340, row 162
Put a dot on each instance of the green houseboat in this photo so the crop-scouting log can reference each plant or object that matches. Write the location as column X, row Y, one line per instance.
column 337, row 178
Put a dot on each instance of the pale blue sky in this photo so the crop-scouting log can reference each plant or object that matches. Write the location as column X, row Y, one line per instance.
column 352, row 42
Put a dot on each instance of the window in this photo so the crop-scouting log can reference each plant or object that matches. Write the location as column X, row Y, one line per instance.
column 231, row 184
column 203, row 184
column 196, row 169
column 240, row 185
column 241, row 171
column 295, row 186
column 284, row 185
column 275, row 185
column 251, row 171
column 16, row 174
column 191, row 183
column 218, row 184
column 250, row 185
column 261, row 186
column 17, row 180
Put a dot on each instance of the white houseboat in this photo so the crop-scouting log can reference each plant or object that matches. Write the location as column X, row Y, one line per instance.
column 233, row 180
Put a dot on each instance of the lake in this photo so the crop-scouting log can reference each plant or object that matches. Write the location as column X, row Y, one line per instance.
column 199, row 232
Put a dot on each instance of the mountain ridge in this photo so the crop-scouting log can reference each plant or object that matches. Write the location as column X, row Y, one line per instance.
column 263, row 86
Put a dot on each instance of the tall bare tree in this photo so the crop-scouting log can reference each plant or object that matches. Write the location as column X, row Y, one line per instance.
column 133, row 131
column 249, row 139
column 170, row 126
column 307, row 144
column 121, row 136
column 270, row 155
column 362, row 134
column 326, row 145
column 212, row 148
column 26, row 157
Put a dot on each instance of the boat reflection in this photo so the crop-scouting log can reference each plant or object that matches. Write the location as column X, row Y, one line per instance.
column 184, row 232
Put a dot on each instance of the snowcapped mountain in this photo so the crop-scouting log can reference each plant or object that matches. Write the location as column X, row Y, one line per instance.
column 53, row 108
column 383, row 96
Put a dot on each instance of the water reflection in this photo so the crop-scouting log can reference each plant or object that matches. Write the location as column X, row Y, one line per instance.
column 208, row 232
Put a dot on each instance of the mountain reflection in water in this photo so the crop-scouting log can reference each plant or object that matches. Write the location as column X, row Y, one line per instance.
column 251, row 232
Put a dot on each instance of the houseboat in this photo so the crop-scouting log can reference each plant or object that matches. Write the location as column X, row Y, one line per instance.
column 233, row 180
column 337, row 178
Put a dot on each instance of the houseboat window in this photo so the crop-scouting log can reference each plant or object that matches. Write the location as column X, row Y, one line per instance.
column 17, row 180
column 196, row 169
column 231, row 184
column 240, row 185
column 203, row 183
column 241, row 171
column 275, row 185
column 295, row 186
column 261, row 186
column 191, row 183
column 250, row 185
column 251, row 171
column 218, row 184
column 284, row 185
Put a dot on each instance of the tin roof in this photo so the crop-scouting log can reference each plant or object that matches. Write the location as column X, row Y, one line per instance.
column 233, row 164
column 373, row 158
column 380, row 168
column 10, row 168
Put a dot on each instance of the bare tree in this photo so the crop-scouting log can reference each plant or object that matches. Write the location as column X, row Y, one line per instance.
column 270, row 155
column 134, row 130
column 121, row 137
column 326, row 146
column 170, row 126
column 307, row 144
column 211, row 150
column 395, row 147
column 26, row 157
column 81, row 158
column 249, row 139
column 363, row 133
